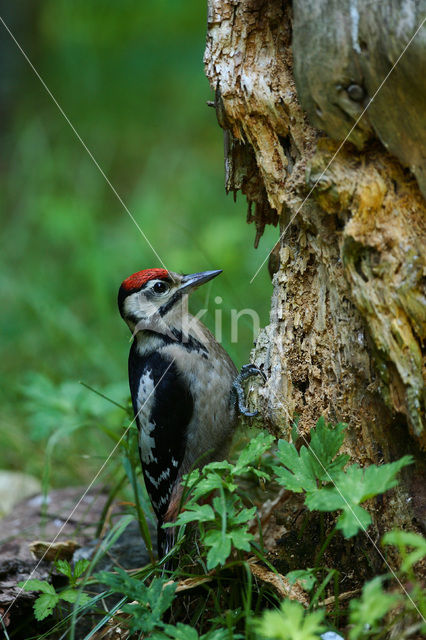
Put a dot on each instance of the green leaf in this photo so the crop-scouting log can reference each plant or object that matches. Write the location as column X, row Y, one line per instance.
column 194, row 513
column 352, row 487
column 261, row 474
column 241, row 538
column 327, row 499
column 352, row 520
column 44, row 605
column 72, row 595
column 151, row 601
column 220, row 548
column 80, row 567
column 295, row 430
column 368, row 612
column 211, row 482
column 37, row 585
column 378, row 479
column 64, row 567
column 250, row 455
column 243, row 516
column 297, row 474
column 220, row 634
column 181, row 632
column 326, row 441
column 305, row 577
column 315, row 464
column 224, row 506
column 291, row 622
column 403, row 540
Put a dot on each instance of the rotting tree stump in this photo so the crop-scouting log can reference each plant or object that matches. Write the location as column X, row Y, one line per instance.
column 348, row 309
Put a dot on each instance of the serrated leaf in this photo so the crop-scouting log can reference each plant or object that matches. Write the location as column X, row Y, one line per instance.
column 353, row 517
column 378, row 479
column 305, row 577
column 80, row 567
column 296, row 474
column 261, row 474
column 241, row 539
column 181, row 632
column 352, row 487
column 369, row 611
column 327, row 499
column 151, row 601
column 220, row 634
column 291, row 622
column 140, row 619
column 243, row 516
column 191, row 479
column 252, row 452
column 352, row 520
column 295, row 430
column 315, row 464
column 72, row 595
column 220, row 548
column 212, row 482
column 403, row 540
column 37, row 585
column 160, row 595
column 194, row 513
column 44, row 605
column 64, row 567
column 223, row 506
column 326, row 441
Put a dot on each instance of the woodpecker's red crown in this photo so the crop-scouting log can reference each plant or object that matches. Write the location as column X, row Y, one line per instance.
column 138, row 279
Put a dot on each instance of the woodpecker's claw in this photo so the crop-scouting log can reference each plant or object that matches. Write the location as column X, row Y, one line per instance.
column 247, row 371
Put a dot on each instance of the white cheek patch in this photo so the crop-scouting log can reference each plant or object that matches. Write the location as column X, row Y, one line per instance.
column 145, row 403
column 132, row 304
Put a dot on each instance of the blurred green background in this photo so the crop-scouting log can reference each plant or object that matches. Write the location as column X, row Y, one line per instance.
column 129, row 75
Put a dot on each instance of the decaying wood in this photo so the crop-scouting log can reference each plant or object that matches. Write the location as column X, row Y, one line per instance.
column 343, row 49
column 348, row 309
column 278, row 583
column 21, row 551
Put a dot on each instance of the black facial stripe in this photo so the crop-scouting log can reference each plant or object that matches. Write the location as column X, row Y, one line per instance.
column 170, row 303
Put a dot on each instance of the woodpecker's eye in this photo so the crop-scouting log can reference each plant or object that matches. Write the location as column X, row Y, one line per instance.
column 160, row 287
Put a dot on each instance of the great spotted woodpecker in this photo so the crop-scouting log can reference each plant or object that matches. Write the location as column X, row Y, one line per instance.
column 185, row 388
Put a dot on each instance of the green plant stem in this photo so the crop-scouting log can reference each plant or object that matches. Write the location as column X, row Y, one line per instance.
column 109, row 500
column 6, row 635
column 324, row 547
column 143, row 525
column 102, row 395
column 321, row 589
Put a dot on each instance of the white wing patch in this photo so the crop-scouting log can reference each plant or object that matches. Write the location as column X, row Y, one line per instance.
column 163, row 476
column 145, row 403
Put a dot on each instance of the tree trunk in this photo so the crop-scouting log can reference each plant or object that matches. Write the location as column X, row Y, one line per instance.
column 348, row 315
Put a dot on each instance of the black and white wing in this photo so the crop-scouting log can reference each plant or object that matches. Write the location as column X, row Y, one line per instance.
column 163, row 407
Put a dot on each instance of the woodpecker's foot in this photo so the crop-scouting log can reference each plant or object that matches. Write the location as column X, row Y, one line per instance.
column 247, row 371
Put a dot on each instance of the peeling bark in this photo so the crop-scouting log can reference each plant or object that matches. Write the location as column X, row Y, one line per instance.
column 348, row 309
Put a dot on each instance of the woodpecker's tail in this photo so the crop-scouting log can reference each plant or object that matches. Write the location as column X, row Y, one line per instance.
column 165, row 540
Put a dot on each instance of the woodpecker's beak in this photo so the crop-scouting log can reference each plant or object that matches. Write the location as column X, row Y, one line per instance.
column 194, row 280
